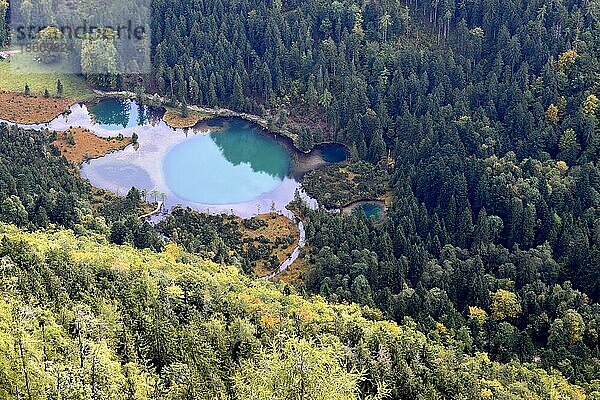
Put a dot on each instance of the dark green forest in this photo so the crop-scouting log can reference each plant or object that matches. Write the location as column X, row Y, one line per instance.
column 490, row 113
column 36, row 186
column 482, row 116
column 82, row 318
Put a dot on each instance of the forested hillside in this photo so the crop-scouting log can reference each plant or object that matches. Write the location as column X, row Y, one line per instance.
column 489, row 111
column 36, row 185
column 80, row 318
column 3, row 25
column 484, row 117
column 39, row 188
column 502, row 77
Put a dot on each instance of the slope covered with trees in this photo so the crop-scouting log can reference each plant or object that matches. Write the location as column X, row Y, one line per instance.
column 488, row 112
column 80, row 318
column 37, row 186
column 374, row 75
column 3, row 22
column 40, row 189
column 485, row 114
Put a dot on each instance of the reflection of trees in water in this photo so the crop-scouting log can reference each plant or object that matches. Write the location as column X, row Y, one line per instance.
column 111, row 112
column 153, row 115
column 333, row 153
column 141, row 114
column 240, row 144
column 120, row 111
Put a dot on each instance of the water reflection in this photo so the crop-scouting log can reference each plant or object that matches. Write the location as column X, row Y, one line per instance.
column 117, row 175
column 240, row 144
column 231, row 166
column 224, row 165
column 333, row 152
column 116, row 114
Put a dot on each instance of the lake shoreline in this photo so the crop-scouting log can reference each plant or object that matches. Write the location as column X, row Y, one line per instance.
column 303, row 161
column 88, row 146
column 19, row 108
column 158, row 101
column 154, row 133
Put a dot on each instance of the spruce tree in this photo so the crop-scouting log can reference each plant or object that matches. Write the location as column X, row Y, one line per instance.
column 184, row 109
column 59, row 88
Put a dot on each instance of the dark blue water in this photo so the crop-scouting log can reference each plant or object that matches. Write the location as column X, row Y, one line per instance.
column 333, row 152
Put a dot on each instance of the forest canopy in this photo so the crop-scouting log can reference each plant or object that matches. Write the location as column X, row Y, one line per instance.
column 476, row 121
column 82, row 318
column 486, row 117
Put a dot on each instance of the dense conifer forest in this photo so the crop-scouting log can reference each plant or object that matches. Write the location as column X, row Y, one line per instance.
column 489, row 112
column 477, row 121
column 36, row 186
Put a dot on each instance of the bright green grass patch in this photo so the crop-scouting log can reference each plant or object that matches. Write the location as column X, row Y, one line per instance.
column 22, row 69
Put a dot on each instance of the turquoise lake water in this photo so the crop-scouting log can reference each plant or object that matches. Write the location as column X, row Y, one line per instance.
column 232, row 166
column 372, row 210
column 226, row 165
